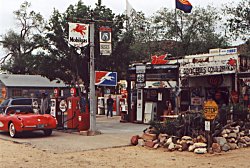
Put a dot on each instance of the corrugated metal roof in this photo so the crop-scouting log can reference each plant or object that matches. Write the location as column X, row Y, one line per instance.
column 13, row 80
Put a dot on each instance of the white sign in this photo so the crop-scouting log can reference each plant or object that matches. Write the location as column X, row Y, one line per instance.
column 140, row 69
column 213, row 65
column 78, row 34
column 105, row 48
column 207, row 125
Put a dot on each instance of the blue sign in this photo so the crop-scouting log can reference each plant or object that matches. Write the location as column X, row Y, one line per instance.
column 105, row 78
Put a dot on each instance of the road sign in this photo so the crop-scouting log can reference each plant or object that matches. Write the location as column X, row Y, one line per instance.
column 105, row 35
column 105, row 48
column 210, row 110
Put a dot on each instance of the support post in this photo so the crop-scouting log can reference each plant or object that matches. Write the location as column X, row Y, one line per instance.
column 92, row 80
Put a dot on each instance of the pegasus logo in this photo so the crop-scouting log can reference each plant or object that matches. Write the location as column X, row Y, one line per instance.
column 159, row 59
column 79, row 29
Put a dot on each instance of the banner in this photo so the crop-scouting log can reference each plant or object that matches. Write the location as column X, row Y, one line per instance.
column 78, row 34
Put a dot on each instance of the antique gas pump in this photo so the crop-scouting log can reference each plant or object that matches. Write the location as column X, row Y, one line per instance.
column 55, row 109
column 73, row 111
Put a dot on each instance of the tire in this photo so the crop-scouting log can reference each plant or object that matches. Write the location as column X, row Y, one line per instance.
column 12, row 130
column 47, row 132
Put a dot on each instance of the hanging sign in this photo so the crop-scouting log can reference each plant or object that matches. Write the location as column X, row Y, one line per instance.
column 105, row 40
column 105, row 78
column 78, row 34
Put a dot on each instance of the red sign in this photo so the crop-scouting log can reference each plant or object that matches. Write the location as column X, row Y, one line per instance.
column 56, row 92
column 159, row 59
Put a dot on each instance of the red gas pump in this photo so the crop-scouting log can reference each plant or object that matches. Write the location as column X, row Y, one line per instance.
column 55, row 109
column 78, row 116
column 73, row 110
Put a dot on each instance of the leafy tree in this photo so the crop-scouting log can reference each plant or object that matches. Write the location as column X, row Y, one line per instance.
column 238, row 20
column 24, row 45
column 193, row 33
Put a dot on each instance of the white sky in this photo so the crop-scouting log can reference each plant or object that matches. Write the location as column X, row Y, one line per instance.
column 45, row 7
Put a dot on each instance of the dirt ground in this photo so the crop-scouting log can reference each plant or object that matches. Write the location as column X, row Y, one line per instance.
column 24, row 156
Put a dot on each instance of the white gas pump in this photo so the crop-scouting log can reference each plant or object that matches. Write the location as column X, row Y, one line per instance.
column 139, row 105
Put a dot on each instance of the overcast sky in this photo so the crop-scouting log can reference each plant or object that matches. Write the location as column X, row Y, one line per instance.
column 45, row 7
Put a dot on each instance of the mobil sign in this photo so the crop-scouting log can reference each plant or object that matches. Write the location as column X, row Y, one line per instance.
column 105, row 78
column 78, row 34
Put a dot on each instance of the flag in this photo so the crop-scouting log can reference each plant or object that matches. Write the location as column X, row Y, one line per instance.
column 184, row 5
column 130, row 11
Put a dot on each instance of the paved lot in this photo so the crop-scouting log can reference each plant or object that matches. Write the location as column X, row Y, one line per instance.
column 114, row 134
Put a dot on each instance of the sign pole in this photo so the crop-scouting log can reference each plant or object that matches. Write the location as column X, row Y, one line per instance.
column 92, row 80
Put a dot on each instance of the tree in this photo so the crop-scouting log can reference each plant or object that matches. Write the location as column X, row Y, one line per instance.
column 193, row 33
column 23, row 44
column 238, row 19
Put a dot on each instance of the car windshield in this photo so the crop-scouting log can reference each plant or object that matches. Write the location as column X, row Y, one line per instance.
column 5, row 103
column 11, row 110
column 22, row 102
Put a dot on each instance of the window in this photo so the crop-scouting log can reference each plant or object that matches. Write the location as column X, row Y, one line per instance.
column 16, row 92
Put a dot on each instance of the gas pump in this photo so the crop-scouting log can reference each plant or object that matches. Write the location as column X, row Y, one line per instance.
column 78, row 116
column 73, row 110
column 55, row 109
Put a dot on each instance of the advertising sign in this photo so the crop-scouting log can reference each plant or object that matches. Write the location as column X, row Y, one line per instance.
column 211, row 66
column 78, row 34
column 105, row 78
column 105, row 48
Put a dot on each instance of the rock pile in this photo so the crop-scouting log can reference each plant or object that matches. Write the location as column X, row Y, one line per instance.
column 230, row 138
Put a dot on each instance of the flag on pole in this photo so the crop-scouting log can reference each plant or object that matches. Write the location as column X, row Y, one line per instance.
column 184, row 5
column 130, row 11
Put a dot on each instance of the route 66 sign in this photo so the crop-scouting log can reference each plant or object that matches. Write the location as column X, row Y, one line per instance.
column 105, row 35
column 140, row 78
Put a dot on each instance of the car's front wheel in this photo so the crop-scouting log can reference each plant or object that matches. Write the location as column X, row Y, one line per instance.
column 12, row 130
column 48, row 132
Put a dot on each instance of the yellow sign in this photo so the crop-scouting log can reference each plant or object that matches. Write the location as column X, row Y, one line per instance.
column 210, row 110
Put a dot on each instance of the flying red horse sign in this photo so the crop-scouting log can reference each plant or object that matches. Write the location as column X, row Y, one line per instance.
column 78, row 34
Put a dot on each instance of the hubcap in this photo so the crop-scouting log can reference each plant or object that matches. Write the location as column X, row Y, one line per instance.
column 12, row 130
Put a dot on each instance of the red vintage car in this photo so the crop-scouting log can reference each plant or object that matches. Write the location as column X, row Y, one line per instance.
column 17, row 119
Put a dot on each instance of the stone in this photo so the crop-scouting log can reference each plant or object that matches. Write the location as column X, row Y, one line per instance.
column 191, row 148
column 210, row 151
column 184, row 146
column 141, row 142
column 247, row 138
column 225, row 147
column 225, row 135
column 149, row 144
column 200, row 150
column 216, row 147
column 236, row 129
column 169, row 140
column 201, row 138
column 232, row 135
column 223, row 132
column 200, row 145
column 190, row 142
column 231, row 140
column 134, row 140
column 147, row 136
column 186, row 138
column 175, row 139
column 220, row 140
column 162, row 139
column 156, row 146
column 177, row 147
column 171, row 146
column 227, row 131
column 241, row 145
column 233, row 146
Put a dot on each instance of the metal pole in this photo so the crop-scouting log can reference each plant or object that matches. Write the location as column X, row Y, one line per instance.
column 92, row 78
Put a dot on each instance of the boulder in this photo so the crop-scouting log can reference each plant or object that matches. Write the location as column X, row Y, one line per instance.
column 232, row 135
column 141, row 142
column 147, row 136
column 200, row 150
column 216, row 147
column 220, row 140
column 200, row 145
column 191, row 148
column 187, row 138
column 184, row 146
column 171, row 146
column 149, row 144
column 225, row 147
column 134, row 140
column 201, row 139
column 169, row 141
column 233, row 146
